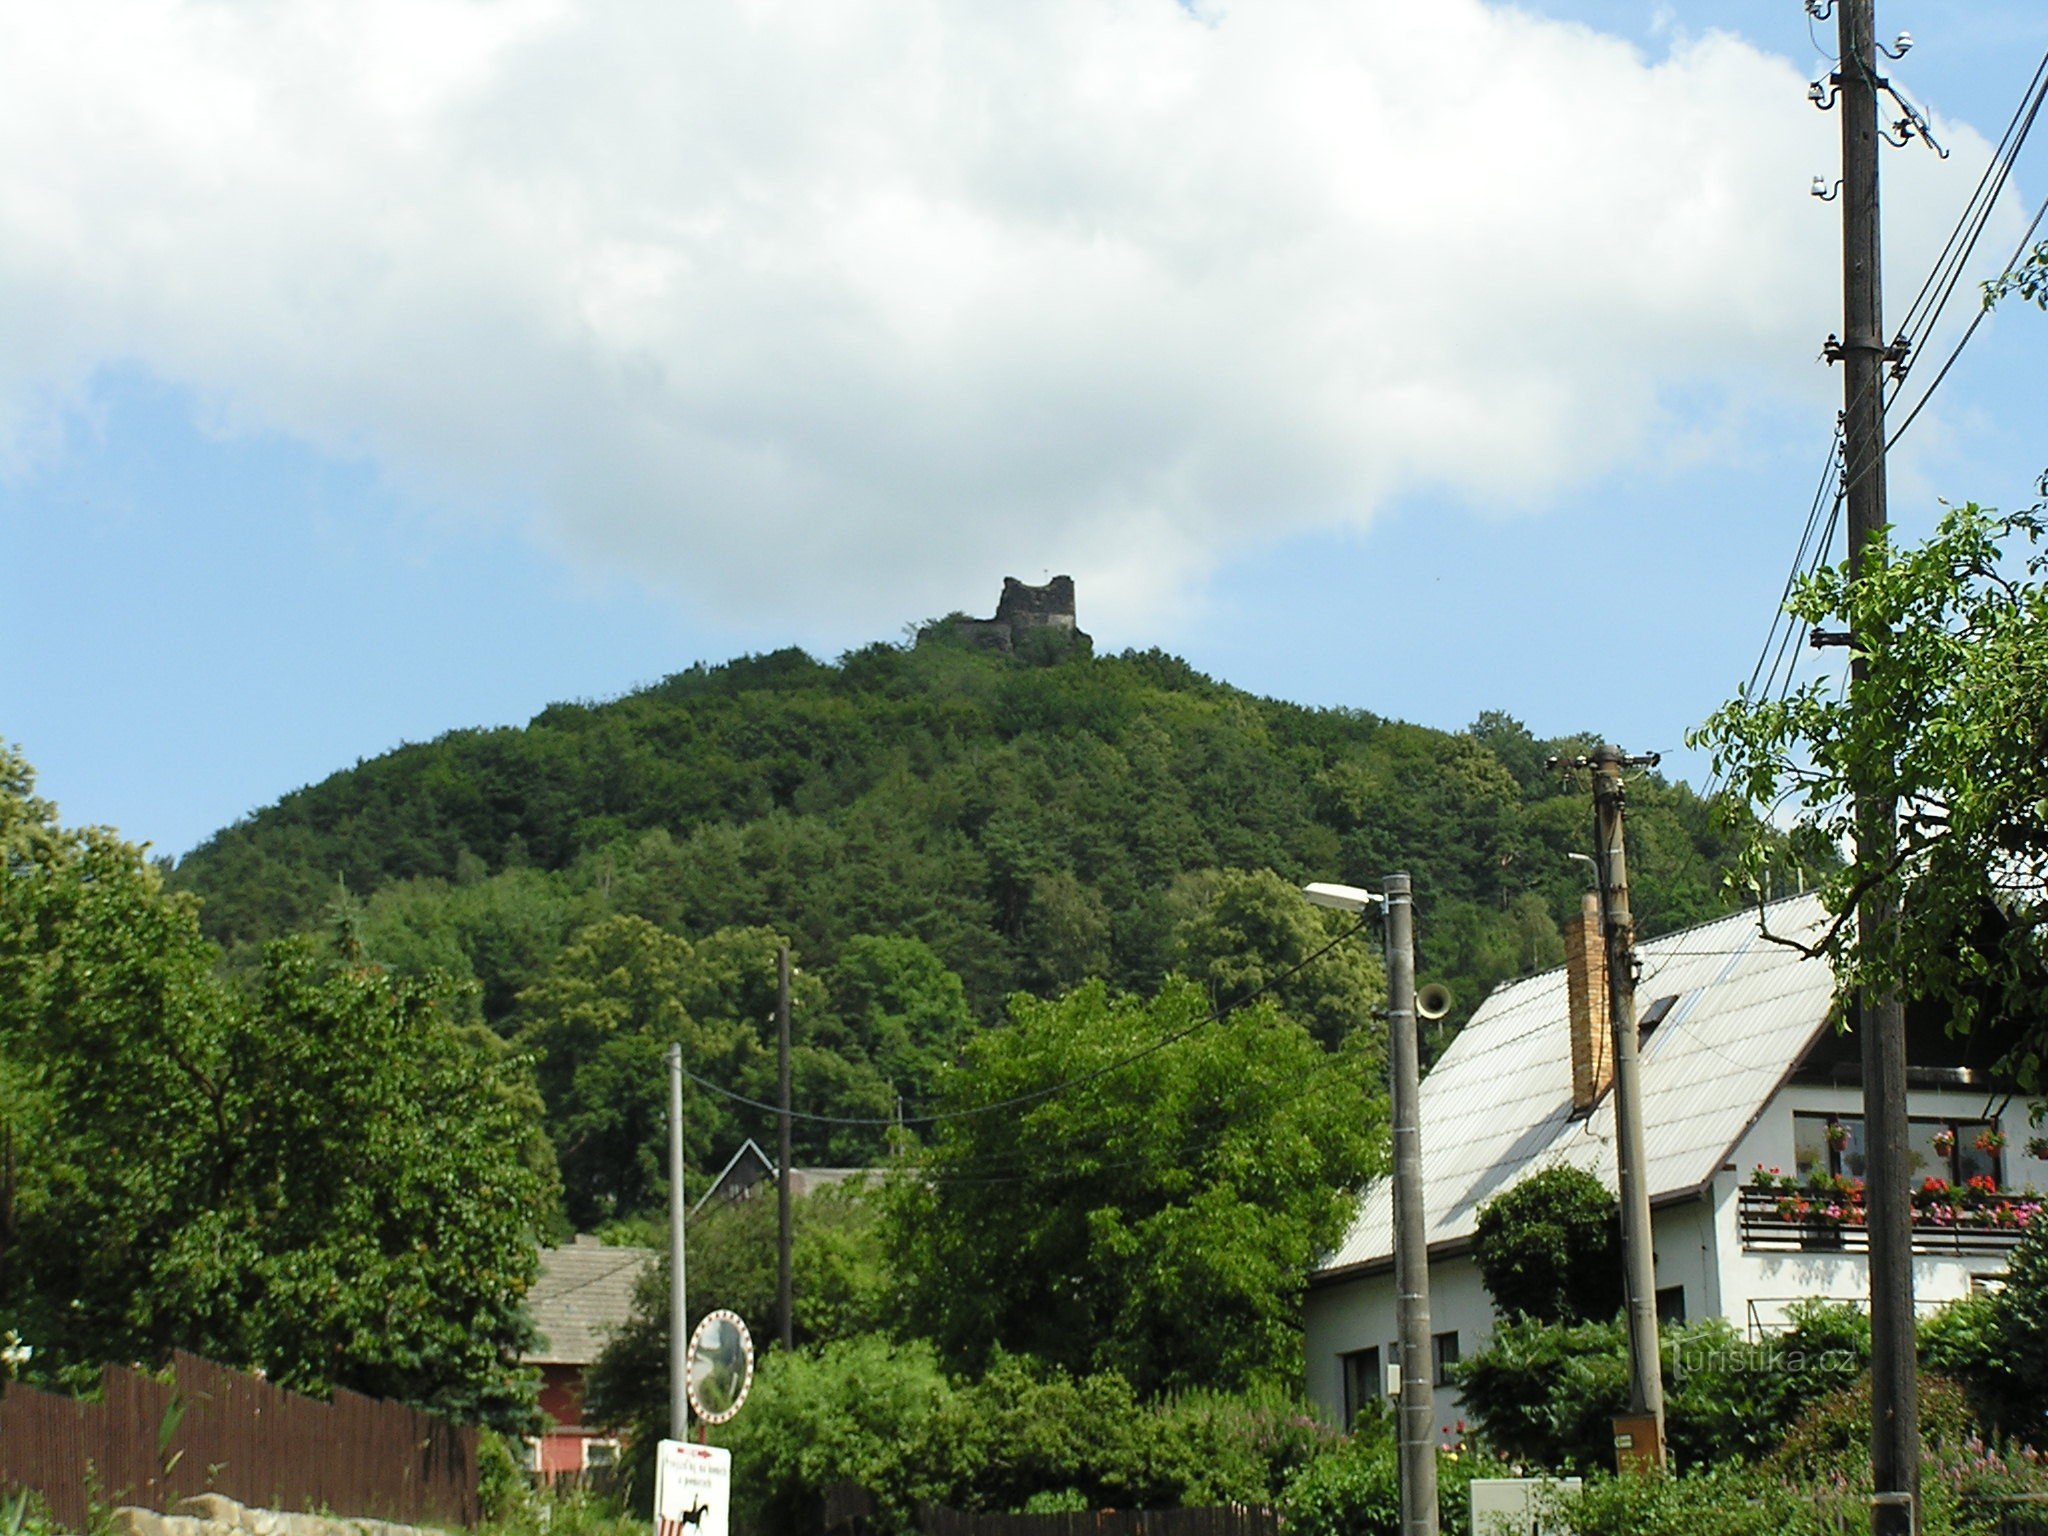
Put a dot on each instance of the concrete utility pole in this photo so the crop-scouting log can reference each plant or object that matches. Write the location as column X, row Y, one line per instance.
column 1416, row 1411
column 678, row 1291
column 785, row 1285
column 1881, row 1019
column 1645, row 1374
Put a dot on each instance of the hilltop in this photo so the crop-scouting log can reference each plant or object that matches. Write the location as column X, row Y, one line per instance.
column 1035, row 816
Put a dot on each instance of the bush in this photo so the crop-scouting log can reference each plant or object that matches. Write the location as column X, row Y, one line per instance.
column 1352, row 1491
column 1353, row 1488
column 1547, row 1393
column 1024, row 1436
column 1719, row 1501
column 1550, row 1248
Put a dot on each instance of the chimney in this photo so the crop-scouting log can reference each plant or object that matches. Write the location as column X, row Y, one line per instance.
column 1585, row 967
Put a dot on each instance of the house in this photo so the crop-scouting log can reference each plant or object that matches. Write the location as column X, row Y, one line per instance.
column 750, row 1172
column 1742, row 1068
column 582, row 1296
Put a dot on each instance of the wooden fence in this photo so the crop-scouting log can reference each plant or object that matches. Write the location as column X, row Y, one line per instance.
column 1232, row 1521
column 213, row 1430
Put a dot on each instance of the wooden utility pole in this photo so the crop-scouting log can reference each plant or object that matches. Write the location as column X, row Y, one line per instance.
column 1639, row 1273
column 1880, row 1018
column 785, row 1285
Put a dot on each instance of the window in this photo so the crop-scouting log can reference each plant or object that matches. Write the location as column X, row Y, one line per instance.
column 1949, row 1150
column 600, row 1453
column 1935, row 1148
column 1444, row 1352
column 1362, row 1381
column 1671, row 1304
column 1840, row 1153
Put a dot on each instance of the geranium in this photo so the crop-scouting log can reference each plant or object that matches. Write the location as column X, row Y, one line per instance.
column 1989, row 1141
column 1836, row 1134
column 1945, row 1141
column 2037, row 1147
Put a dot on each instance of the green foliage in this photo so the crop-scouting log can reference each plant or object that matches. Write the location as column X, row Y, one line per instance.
column 1157, row 1219
column 1248, row 933
column 1027, row 824
column 2027, row 277
column 1023, row 1436
column 1996, row 1344
column 1547, row 1393
column 1950, row 718
column 1353, row 1487
column 1353, row 1491
column 315, row 1174
column 838, row 1271
column 1550, row 1248
column 1715, row 1501
column 517, row 1508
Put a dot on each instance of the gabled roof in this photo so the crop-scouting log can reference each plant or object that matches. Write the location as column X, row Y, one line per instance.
column 1497, row 1107
column 584, row 1294
column 750, row 1166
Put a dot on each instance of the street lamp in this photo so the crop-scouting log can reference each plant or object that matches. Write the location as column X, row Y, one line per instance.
column 1416, row 1411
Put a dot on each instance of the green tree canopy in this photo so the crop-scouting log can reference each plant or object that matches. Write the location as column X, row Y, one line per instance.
column 1950, row 721
column 317, row 1175
column 1248, row 933
column 1550, row 1248
column 1156, row 1218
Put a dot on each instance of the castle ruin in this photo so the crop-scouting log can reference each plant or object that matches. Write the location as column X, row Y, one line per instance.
column 1022, row 611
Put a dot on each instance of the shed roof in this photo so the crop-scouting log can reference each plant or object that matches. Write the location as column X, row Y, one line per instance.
column 583, row 1295
column 1498, row 1105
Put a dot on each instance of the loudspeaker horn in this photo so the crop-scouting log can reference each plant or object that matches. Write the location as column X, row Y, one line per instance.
column 1433, row 1001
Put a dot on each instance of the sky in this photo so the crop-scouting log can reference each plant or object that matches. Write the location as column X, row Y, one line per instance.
column 375, row 368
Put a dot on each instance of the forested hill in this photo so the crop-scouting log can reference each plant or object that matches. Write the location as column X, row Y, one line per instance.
column 1034, row 821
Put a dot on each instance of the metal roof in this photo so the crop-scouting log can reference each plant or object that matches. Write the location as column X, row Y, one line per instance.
column 1497, row 1106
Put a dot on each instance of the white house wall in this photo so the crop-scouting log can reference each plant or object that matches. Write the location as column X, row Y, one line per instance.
column 1759, row 1286
column 1359, row 1314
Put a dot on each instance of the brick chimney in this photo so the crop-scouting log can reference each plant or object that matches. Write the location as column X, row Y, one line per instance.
column 1585, row 968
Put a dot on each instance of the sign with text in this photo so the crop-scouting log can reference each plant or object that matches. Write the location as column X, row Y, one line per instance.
column 692, row 1489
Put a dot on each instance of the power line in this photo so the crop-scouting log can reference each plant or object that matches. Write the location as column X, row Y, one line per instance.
column 1214, row 1015
column 1955, row 253
column 1975, row 321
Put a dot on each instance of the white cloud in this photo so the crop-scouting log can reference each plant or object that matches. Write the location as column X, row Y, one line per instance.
column 892, row 297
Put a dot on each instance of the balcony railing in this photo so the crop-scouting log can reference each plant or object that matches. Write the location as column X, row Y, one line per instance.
column 1772, row 1220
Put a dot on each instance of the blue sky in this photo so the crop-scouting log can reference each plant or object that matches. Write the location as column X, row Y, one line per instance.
column 366, row 381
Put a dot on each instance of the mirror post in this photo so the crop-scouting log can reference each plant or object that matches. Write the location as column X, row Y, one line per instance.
column 678, row 1292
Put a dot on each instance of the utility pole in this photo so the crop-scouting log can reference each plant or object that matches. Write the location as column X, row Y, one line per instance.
column 1415, row 1414
column 678, row 1292
column 785, row 1285
column 1645, row 1373
column 1416, row 1410
column 1881, row 1018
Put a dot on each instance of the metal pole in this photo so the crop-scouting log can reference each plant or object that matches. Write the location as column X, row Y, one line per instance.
column 1645, row 1375
column 1417, row 1409
column 1881, row 1019
column 678, row 1292
column 785, row 1285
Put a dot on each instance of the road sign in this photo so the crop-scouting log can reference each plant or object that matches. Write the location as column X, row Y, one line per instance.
column 692, row 1489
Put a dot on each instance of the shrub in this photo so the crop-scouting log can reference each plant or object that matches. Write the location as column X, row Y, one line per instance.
column 1550, row 1248
column 1718, row 1501
column 1547, row 1393
column 1352, row 1491
column 1025, row 1436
